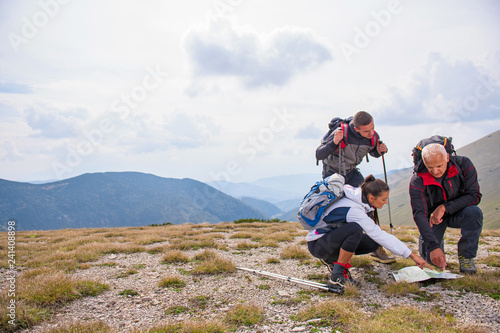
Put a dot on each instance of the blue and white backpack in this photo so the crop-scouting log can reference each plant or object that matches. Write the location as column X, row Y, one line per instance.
column 321, row 195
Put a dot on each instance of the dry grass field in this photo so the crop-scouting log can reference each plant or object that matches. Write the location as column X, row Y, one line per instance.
column 184, row 278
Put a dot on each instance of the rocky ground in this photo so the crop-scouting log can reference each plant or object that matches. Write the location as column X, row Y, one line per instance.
column 148, row 308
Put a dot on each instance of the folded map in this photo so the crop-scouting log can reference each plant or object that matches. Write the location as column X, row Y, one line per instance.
column 415, row 274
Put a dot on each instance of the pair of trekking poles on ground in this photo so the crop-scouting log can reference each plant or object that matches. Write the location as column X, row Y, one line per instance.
column 327, row 287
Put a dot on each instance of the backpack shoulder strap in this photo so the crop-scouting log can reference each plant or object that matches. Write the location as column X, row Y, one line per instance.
column 374, row 139
column 344, row 127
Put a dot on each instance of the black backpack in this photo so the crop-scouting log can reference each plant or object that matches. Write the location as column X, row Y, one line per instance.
column 442, row 140
column 336, row 122
column 344, row 123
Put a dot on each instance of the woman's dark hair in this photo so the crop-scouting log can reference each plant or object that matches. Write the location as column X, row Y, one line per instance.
column 373, row 186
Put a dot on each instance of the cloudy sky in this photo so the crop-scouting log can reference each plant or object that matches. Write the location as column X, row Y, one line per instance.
column 236, row 89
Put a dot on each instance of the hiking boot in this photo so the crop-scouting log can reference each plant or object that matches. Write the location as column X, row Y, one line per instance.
column 347, row 274
column 341, row 279
column 381, row 256
column 467, row 265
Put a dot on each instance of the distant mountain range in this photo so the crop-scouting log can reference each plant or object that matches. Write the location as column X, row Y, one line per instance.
column 284, row 193
column 117, row 199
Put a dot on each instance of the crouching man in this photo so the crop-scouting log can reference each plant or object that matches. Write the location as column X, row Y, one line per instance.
column 444, row 192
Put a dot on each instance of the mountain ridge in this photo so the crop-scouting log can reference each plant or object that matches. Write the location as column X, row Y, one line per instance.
column 112, row 199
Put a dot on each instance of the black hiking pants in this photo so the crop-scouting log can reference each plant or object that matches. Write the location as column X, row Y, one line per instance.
column 349, row 237
column 353, row 177
column 470, row 222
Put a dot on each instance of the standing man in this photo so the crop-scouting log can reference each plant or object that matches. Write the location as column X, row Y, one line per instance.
column 357, row 138
column 344, row 147
column 444, row 192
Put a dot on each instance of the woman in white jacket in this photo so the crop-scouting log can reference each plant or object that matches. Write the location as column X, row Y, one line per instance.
column 351, row 230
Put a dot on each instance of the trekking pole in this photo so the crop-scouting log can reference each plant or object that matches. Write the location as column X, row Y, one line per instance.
column 331, row 288
column 388, row 202
column 340, row 161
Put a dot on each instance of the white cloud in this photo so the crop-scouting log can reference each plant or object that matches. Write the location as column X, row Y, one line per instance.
column 309, row 132
column 54, row 123
column 224, row 50
column 144, row 133
column 189, row 131
column 10, row 152
column 440, row 90
column 240, row 73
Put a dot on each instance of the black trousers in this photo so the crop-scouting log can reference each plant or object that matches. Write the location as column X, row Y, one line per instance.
column 470, row 222
column 353, row 177
column 349, row 237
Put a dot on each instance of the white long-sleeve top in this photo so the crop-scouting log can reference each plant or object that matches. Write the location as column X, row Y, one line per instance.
column 352, row 209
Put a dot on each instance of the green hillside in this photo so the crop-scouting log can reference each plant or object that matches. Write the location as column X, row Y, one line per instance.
column 117, row 199
column 485, row 154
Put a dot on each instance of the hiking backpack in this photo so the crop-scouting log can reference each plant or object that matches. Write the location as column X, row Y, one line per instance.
column 334, row 124
column 442, row 140
column 343, row 124
column 321, row 195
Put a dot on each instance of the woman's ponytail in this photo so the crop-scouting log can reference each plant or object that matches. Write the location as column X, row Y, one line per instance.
column 373, row 186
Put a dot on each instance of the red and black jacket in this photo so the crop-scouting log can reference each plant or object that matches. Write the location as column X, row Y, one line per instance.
column 459, row 188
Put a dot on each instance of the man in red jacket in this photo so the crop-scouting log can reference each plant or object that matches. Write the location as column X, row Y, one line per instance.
column 444, row 192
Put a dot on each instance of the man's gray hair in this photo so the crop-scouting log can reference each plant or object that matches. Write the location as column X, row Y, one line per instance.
column 433, row 149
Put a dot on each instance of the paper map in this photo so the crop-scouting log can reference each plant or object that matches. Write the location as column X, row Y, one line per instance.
column 415, row 274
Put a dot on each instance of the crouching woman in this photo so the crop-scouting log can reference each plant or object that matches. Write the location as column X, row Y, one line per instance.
column 351, row 231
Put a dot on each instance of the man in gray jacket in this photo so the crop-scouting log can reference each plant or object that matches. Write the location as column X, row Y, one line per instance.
column 344, row 147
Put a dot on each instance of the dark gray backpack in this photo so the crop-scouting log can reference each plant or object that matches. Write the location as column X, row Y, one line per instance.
column 442, row 140
column 321, row 195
